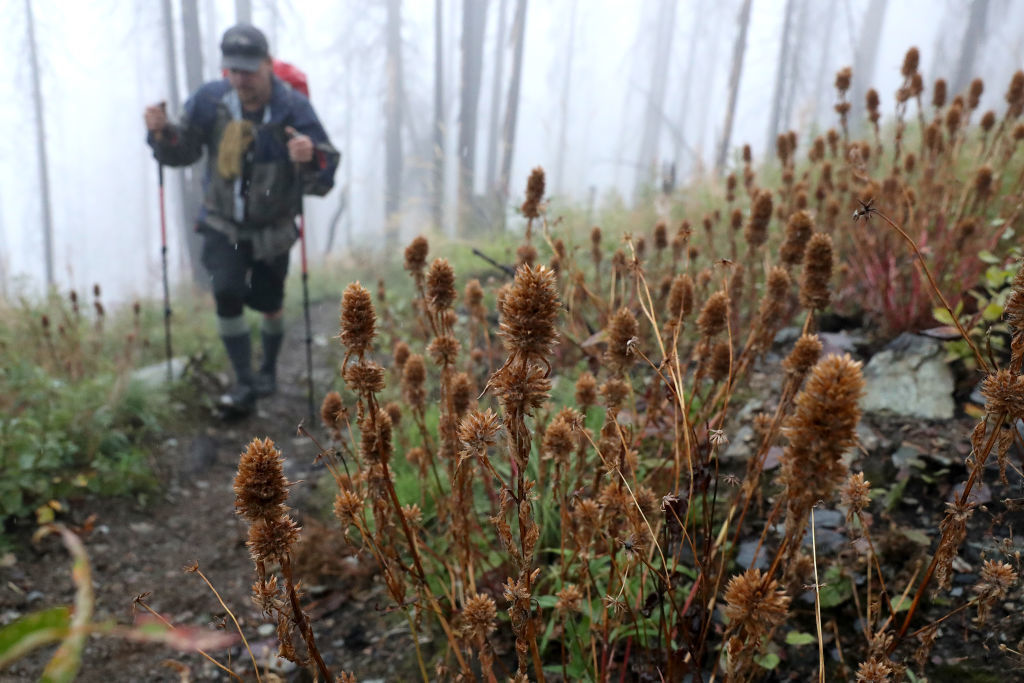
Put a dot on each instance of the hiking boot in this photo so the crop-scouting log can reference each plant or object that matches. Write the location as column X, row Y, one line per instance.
column 238, row 402
column 264, row 384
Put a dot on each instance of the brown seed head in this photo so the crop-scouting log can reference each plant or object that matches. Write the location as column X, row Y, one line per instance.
column 528, row 313
column 614, row 392
column 358, row 319
column 1004, row 394
column 983, row 182
column 534, row 193
column 272, row 539
column 871, row 101
column 621, row 332
column 586, row 390
column 416, row 255
column 414, row 374
column 260, row 486
column 375, row 437
column 526, row 254
column 480, row 614
column 440, row 285
column 595, row 236
column 804, row 355
column 559, row 439
column 756, row 231
column 348, row 507
column 974, row 93
column 364, row 377
column 1015, row 95
column 988, row 120
column 754, row 604
column 680, row 297
column 400, row 354
column 855, row 495
column 478, row 431
column 569, row 600
column 721, row 361
column 332, row 412
column 463, row 392
column 843, row 77
column 814, row 281
column 474, row 296
column 798, row 231
column 874, row 670
column 939, row 93
column 661, row 236
column 821, row 428
column 444, row 350
column 910, row 62
column 714, row 316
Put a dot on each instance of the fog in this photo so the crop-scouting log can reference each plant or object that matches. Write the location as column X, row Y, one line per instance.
column 101, row 62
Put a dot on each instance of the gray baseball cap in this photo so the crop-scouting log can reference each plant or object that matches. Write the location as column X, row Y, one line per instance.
column 243, row 48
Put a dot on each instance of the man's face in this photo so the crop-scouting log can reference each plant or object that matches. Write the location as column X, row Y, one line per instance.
column 253, row 87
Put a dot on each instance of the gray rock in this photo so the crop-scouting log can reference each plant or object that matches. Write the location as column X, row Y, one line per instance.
column 745, row 556
column 911, row 378
column 155, row 376
column 739, row 445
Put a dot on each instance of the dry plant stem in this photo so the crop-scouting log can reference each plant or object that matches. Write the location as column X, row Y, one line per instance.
column 300, row 619
column 935, row 288
column 231, row 614
column 416, row 644
column 817, row 603
column 979, row 465
column 165, row 622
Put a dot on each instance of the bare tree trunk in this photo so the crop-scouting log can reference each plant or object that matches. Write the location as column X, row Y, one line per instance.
column 44, row 169
column 865, row 58
column 821, row 88
column 393, row 117
column 559, row 184
column 437, row 183
column 780, row 79
column 660, row 59
column 691, row 59
column 735, row 73
column 795, row 60
column 508, row 135
column 243, row 11
column 191, row 177
column 496, row 83
column 974, row 34
column 472, row 41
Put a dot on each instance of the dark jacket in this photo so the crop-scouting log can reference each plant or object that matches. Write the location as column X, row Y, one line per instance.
column 262, row 203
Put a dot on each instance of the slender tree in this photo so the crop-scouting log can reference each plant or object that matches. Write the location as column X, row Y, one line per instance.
column 473, row 21
column 691, row 60
column 781, row 69
column 437, row 184
column 44, row 168
column 508, row 136
column 192, row 181
column 243, row 11
column 563, row 123
column 795, row 62
column 866, row 57
column 735, row 73
column 393, row 123
column 974, row 34
column 658, row 83
column 498, row 74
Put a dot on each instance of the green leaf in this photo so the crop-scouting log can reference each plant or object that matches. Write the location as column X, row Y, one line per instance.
column 993, row 312
column 31, row 631
column 987, row 256
column 799, row 638
column 768, row 660
column 942, row 315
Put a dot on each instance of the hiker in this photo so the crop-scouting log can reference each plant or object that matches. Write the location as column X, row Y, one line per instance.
column 266, row 148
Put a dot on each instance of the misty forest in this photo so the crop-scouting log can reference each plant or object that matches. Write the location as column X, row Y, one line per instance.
column 512, row 340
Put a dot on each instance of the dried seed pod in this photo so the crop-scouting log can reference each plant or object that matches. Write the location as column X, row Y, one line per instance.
column 358, row 319
column 534, row 193
column 714, row 316
column 817, row 272
column 528, row 313
column 621, row 332
column 416, row 255
column 260, row 485
column 756, row 231
column 440, row 285
column 799, row 228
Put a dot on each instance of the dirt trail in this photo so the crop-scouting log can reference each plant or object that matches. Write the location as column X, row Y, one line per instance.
column 142, row 549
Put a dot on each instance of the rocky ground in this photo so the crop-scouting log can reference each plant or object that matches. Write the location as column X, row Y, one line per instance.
column 914, row 460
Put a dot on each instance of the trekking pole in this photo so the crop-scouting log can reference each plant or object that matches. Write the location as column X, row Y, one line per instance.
column 163, row 258
column 305, row 307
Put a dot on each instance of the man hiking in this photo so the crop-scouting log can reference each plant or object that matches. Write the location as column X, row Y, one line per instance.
column 266, row 148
